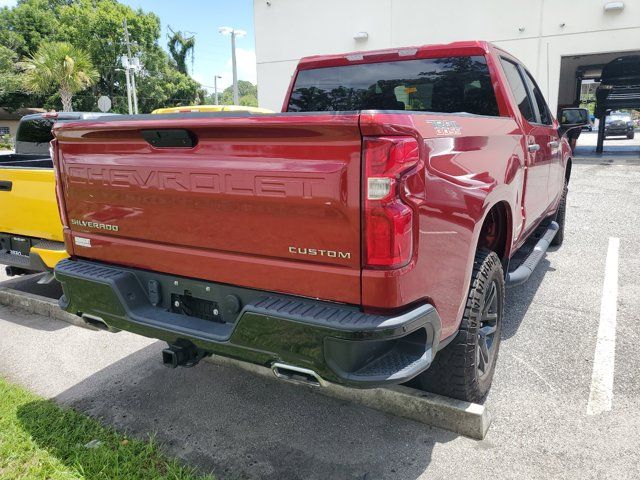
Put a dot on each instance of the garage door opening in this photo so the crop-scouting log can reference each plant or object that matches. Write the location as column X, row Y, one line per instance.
column 618, row 117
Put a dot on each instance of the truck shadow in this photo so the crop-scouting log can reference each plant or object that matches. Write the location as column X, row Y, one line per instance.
column 518, row 299
column 241, row 426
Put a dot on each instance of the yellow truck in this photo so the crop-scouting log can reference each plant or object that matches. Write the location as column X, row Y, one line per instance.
column 30, row 229
column 212, row 108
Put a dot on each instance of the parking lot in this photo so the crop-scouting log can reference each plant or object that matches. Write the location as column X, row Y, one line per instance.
column 241, row 426
column 621, row 147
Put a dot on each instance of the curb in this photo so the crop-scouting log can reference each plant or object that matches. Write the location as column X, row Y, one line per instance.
column 39, row 305
column 468, row 419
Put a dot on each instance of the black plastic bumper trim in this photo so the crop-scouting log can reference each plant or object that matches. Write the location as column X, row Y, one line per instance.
column 371, row 349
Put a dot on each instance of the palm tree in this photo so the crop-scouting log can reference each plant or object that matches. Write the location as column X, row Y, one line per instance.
column 60, row 66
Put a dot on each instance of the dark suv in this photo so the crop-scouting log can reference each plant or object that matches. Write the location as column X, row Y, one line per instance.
column 618, row 124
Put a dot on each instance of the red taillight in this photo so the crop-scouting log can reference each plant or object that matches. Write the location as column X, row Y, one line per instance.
column 388, row 220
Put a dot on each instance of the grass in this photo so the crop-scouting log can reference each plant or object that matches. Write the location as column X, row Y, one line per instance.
column 40, row 440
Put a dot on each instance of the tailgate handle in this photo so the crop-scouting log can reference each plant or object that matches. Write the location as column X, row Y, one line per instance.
column 5, row 185
column 170, row 138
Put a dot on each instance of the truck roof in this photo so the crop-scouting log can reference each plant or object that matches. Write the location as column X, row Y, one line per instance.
column 478, row 47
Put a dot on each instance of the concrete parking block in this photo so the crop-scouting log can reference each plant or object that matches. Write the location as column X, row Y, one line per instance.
column 37, row 304
column 468, row 419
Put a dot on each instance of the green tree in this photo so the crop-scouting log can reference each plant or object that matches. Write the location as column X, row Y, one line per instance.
column 96, row 27
column 59, row 66
column 179, row 47
column 9, row 75
column 166, row 87
column 24, row 27
column 247, row 95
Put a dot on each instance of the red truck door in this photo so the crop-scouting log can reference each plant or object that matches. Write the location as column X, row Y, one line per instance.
column 538, row 145
column 555, row 182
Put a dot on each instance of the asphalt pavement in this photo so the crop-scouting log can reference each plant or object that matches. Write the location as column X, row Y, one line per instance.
column 240, row 426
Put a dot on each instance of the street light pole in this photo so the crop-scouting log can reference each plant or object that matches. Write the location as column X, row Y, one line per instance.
column 215, row 87
column 234, row 33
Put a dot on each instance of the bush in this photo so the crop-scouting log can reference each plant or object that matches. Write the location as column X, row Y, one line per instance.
column 6, row 142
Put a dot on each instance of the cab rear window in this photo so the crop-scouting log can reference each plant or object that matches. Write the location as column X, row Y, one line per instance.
column 449, row 85
column 36, row 130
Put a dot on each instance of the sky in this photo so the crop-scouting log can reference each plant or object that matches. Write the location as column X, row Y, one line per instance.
column 202, row 19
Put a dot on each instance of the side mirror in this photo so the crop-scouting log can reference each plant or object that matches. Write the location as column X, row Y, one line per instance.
column 573, row 118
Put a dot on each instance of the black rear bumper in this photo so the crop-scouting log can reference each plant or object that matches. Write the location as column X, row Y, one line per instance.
column 21, row 257
column 338, row 342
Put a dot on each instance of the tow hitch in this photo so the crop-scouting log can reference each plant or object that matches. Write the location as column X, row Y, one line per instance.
column 182, row 354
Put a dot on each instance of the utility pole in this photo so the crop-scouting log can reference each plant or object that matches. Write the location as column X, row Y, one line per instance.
column 131, row 77
column 126, row 75
column 234, row 33
column 215, row 87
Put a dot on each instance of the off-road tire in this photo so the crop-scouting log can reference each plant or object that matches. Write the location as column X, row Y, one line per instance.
column 455, row 370
column 560, row 218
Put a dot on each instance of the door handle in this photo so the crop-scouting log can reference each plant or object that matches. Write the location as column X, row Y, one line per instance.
column 533, row 147
column 5, row 186
column 554, row 144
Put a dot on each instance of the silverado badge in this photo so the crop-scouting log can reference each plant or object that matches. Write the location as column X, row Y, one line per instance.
column 96, row 225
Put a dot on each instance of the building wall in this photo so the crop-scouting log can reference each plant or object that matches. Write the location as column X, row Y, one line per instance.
column 538, row 32
column 12, row 124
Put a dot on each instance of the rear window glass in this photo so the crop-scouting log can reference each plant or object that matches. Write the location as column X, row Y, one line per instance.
column 37, row 130
column 452, row 84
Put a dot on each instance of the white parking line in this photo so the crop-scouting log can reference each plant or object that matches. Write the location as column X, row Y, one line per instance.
column 601, row 395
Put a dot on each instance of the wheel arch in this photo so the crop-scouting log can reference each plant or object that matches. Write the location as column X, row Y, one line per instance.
column 496, row 231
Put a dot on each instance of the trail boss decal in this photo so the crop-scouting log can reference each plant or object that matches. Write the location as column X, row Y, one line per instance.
column 445, row 127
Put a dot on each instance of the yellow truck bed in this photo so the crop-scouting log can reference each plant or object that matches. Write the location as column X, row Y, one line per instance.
column 30, row 228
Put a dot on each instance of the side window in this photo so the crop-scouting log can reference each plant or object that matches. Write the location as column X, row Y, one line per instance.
column 518, row 89
column 545, row 115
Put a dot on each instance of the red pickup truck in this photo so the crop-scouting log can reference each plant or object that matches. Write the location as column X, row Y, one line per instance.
column 364, row 236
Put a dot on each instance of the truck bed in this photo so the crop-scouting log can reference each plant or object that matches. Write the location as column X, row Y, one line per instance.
column 25, row 161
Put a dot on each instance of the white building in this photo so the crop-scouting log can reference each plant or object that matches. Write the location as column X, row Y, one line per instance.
column 560, row 41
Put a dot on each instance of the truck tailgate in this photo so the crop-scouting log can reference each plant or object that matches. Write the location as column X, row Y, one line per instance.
column 28, row 203
column 269, row 202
